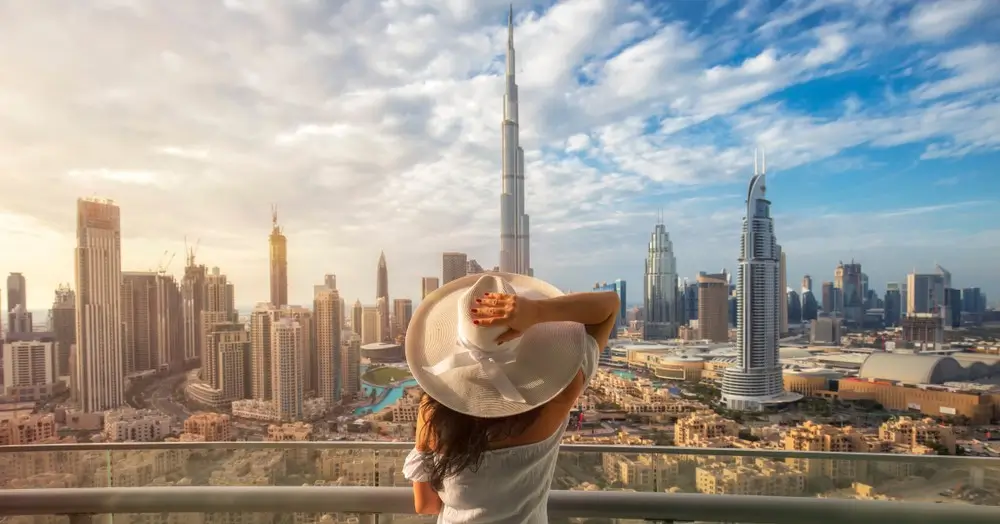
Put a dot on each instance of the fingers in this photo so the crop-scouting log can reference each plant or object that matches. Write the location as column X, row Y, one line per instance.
column 491, row 311
column 495, row 299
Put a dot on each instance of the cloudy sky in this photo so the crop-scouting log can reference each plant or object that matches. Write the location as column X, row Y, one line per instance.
column 376, row 126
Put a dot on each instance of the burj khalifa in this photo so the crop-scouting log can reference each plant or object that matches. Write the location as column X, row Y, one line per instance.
column 514, row 244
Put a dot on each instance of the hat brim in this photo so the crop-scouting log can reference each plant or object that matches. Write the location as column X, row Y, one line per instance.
column 549, row 355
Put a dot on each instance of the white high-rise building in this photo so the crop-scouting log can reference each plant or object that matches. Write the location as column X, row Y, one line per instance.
column 262, row 320
column 286, row 368
column 660, row 298
column 514, row 243
column 29, row 364
column 99, row 370
column 755, row 380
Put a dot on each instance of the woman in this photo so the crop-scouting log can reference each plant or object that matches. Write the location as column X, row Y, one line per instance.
column 502, row 360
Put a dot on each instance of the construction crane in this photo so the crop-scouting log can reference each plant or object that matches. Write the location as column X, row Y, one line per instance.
column 162, row 268
column 192, row 251
column 159, row 262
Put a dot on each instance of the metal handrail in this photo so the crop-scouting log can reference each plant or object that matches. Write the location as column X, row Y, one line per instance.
column 566, row 448
column 661, row 506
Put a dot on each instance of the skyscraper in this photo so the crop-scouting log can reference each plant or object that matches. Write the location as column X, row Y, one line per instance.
column 138, row 315
column 847, row 279
column 370, row 325
column 20, row 320
column 807, row 283
column 831, row 299
column 453, row 266
column 755, row 379
column 262, row 321
column 218, row 309
column 356, row 315
column 713, row 307
column 427, row 286
column 62, row 322
column 326, row 306
column 473, row 267
column 231, row 342
column 382, row 299
column 783, row 289
column 620, row 288
column 810, row 309
column 402, row 312
column 279, row 262
column 660, row 287
column 286, row 368
column 944, row 273
column 170, row 320
column 514, row 244
column 925, row 293
column 893, row 304
column 100, row 374
column 351, row 371
column 689, row 299
column 17, row 294
column 193, row 303
column 794, row 307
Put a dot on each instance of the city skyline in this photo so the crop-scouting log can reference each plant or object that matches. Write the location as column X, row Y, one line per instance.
column 887, row 143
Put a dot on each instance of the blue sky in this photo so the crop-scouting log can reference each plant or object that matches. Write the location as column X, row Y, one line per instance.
column 376, row 126
column 899, row 189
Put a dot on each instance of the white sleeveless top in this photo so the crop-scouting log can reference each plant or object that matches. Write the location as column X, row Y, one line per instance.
column 512, row 484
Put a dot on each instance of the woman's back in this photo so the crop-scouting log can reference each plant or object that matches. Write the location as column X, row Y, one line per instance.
column 511, row 485
column 502, row 360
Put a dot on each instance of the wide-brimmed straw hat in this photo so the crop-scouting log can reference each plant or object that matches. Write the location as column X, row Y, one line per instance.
column 460, row 364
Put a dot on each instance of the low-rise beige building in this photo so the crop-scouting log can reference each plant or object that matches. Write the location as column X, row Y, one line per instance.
column 703, row 425
column 756, row 477
column 213, row 427
column 135, row 425
column 27, row 429
column 913, row 432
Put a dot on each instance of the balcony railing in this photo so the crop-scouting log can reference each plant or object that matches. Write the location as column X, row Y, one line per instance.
column 621, row 482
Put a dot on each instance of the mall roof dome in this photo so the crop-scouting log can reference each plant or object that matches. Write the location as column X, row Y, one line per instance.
column 912, row 369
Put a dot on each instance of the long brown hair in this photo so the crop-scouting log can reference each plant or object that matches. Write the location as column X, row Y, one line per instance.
column 461, row 440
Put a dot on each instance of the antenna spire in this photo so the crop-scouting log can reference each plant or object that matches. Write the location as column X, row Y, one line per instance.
column 274, row 215
column 510, row 26
column 755, row 160
column 763, row 162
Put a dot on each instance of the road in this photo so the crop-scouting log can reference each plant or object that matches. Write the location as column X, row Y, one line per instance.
column 160, row 396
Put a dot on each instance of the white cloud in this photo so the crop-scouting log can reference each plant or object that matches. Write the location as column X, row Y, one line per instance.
column 376, row 125
column 935, row 20
column 973, row 67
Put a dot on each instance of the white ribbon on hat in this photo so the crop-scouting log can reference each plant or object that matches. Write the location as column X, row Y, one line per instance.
column 489, row 361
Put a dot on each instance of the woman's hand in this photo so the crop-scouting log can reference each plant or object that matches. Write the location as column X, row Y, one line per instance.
column 497, row 309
